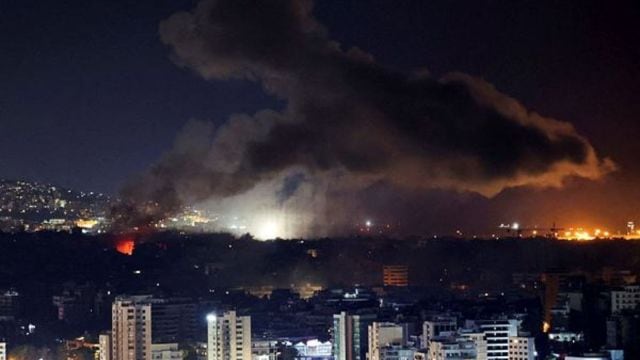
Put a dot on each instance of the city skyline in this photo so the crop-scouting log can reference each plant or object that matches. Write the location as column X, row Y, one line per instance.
column 100, row 98
column 319, row 180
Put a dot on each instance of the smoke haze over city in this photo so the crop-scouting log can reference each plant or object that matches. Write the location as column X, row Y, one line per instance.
column 286, row 116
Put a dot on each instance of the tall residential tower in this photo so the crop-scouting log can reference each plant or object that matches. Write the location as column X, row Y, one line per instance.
column 228, row 337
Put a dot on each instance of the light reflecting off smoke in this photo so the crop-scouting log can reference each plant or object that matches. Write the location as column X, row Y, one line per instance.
column 270, row 229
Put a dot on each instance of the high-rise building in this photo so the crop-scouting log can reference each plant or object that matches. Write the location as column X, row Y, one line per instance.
column 3, row 351
column 173, row 320
column 395, row 275
column 522, row 348
column 384, row 334
column 350, row 336
column 228, row 337
column 131, row 328
column 497, row 334
column 104, row 346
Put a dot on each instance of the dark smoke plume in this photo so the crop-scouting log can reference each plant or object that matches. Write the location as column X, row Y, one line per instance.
column 345, row 115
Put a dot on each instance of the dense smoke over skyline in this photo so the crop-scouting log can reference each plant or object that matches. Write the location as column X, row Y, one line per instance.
column 349, row 125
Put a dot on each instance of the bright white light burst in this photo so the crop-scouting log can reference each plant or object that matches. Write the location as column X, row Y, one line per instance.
column 270, row 228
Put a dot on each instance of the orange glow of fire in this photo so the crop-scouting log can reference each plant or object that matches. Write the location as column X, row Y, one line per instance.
column 125, row 246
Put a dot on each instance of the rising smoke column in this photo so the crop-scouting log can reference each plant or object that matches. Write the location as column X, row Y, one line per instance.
column 348, row 120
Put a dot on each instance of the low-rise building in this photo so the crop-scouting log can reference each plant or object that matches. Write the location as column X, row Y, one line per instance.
column 168, row 351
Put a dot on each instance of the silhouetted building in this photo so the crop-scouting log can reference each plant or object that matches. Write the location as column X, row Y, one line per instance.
column 350, row 336
column 9, row 305
column 173, row 320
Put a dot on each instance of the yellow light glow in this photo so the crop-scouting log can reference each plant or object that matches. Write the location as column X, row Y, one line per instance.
column 270, row 228
column 546, row 327
column 86, row 224
column 583, row 235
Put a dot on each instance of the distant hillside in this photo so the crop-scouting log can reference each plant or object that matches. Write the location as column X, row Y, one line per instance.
column 36, row 201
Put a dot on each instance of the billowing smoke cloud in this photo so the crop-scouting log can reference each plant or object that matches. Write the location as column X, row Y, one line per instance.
column 349, row 122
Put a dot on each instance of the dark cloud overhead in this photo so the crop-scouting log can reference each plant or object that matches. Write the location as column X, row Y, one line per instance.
column 346, row 113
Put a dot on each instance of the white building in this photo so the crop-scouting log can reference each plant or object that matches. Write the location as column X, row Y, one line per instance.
column 626, row 297
column 594, row 356
column 522, row 348
column 168, row 351
column 131, row 328
column 497, row 334
column 383, row 334
column 228, row 337
column 314, row 349
column 3, row 351
column 104, row 346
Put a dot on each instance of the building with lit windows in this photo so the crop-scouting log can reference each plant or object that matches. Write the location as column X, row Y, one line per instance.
column 3, row 351
column 131, row 328
column 104, row 346
column 314, row 350
column 228, row 337
column 522, row 348
column 395, row 275
column 497, row 334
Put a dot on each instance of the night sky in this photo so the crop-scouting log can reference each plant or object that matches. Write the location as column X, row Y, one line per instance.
column 90, row 96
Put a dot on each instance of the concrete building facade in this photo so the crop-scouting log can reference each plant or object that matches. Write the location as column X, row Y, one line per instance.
column 131, row 328
column 228, row 337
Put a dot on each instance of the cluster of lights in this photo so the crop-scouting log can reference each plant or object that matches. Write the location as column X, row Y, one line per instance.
column 581, row 234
